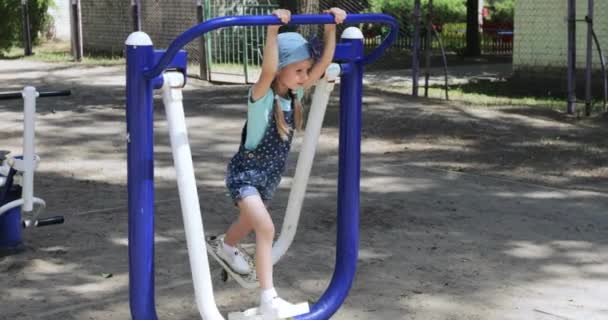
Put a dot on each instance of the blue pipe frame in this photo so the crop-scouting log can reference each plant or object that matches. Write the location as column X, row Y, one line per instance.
column 144, row 74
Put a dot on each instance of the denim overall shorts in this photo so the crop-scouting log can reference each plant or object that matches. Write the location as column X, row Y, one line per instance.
column 259, row 171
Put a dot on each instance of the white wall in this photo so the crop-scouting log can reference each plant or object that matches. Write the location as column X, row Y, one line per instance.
column 61, row 12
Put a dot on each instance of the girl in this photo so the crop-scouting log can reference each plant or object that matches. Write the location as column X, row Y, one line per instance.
column 274, row 111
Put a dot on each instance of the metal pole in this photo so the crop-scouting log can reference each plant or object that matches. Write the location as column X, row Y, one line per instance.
column 27, row 33
column 571, row 108
column 140, row 176
column 245, row 54
column 202, row 48
column 445, row 64
column 136, row 12
column 10, row 222
column 416, row 48
column 603, row 66
column 428, row 44
column 589, row 66
column 347, row 245
column 76, row 31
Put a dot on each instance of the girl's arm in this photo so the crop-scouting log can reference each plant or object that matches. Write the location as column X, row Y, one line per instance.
column 329, row 47
column 270, row 57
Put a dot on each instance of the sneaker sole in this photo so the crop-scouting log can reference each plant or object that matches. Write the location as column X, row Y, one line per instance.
column 253, row 313
column 248, row 281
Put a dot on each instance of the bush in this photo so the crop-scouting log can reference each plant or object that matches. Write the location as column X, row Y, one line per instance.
column 502, row 11
column 444, row 11
column 11, row 33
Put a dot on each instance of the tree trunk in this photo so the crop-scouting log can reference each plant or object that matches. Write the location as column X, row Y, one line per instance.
column 473, row 38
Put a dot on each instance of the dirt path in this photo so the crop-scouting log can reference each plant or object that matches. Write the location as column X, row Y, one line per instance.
column 466, row 212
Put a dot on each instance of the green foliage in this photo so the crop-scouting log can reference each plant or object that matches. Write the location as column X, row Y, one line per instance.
column 502, row 11
column 446, row 11
column 443, row 10
column 11, row 33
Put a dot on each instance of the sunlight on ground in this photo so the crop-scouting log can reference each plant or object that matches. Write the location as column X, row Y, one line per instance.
column 124, row 241
column 36, row 268
column 378, row 146
column 394, row 184
column 98, row 284
column 367, row 254
column 528, row 250
column 589, row 173
column 556, row 194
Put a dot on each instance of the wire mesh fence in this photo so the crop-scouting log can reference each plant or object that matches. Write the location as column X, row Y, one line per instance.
column 234, row 54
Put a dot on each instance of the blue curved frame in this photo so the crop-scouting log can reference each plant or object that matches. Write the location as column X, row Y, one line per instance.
column 144, row 68
column 232, row 21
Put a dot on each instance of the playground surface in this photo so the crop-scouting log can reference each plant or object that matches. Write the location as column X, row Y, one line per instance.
column 467, row 212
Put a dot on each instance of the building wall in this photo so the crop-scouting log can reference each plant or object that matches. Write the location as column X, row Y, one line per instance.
column 61, row 14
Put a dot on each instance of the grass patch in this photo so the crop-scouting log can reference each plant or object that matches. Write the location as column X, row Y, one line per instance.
column 60, row 51
column 234, row 68
column 499, row 93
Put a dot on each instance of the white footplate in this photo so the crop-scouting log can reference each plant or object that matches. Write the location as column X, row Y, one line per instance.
column 253, row 314
column 20, row 165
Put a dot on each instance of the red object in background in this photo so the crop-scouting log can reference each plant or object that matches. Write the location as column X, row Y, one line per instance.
column 503, row 31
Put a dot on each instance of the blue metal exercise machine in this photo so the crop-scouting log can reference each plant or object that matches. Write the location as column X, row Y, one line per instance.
column 149, row 69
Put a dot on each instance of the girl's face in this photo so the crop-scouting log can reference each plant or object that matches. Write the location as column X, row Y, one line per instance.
column 295, row 75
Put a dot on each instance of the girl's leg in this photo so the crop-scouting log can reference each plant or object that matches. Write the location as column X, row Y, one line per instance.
column 238, row 230
column 254, row 213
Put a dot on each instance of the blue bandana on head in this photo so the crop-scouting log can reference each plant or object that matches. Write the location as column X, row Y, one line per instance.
column 292, row 48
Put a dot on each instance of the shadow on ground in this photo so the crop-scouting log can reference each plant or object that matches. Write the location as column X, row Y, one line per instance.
column 447, row 227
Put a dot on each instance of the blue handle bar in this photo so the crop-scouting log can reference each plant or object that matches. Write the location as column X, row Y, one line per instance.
column 231, row 21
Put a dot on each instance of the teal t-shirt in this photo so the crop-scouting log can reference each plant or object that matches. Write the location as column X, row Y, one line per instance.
column 258, row 114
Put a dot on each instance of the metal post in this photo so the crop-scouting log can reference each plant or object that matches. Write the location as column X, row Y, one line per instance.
column 571, row 56
column 29, row 148
column 136, row 13
column 245, row 54
column 202, row 48
column 351, row 86
column 445, row 64
column 10, row 221
column 76, row 31
column 428, row 44
column 416, row 48
column 589, row 66
column 603, row 70
column 140, row 176
column 27, row 33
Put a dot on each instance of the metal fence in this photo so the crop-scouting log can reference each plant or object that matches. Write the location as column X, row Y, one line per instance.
column 234, row 54
column 493, row 41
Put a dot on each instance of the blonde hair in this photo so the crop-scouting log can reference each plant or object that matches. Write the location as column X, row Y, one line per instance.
column 282, row 127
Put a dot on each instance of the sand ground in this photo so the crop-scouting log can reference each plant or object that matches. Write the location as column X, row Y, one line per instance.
column 467, row 212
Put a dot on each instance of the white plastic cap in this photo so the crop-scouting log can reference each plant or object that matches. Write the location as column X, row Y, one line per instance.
column 29, row 92
column 138, row 38
column 352, row 33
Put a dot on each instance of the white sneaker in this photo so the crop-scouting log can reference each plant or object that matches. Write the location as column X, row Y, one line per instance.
column 278, row 308
column 234, row 259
